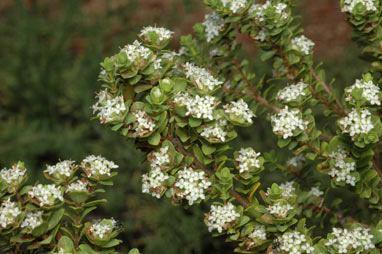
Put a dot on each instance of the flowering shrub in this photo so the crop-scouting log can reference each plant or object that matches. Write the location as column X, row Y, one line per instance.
column 183, row 109
column 49, row 218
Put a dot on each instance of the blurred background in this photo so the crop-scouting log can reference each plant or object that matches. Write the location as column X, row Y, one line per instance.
column 50, row 52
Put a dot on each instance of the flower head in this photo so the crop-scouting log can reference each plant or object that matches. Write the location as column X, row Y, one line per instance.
column 63, row 169
column 247, row 159
column 347, row 241
column 8, row 213
column 109, row 108
column 239, row 111
column 14, row 175
column 215, row 131
column 79, row 185
column 144, row 123
column 213, row 24
column 348, row 5
column 235, row 5
column 288, row 121
column 154, row 182
column 201, row 107
column 260, row 10
column 357, row 122
column 102, row 229
column 97, row 166
column 302, row 44
column 161, row 33
column 370, row 92
column 136, row 53
column 221, row 217
column 279, row 210
column 32, row 220
column 201, row 77
column 295, row 242
column 342, row 167
column 46, row 195
column 292, row 92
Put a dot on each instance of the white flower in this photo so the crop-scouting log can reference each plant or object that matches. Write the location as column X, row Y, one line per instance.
column 192, row 185
column 109, row 108
column 259, row 233
column 62, row 251
column 144, row 123
column 8, row 213
column 201, row 77
column 247, row 158
column 279, row 210
column 97, row 166
column 32, row 220
column 302, row 44
column 259, row 10
column 153, row 182
column 159, row 159
column 201, row 107
column 46, row 194
column 357, row 122
column 235, row 5
column 295, row 243
column 286, row 122
column 163, row 33
column 213, row 24
column 262, row 35
column 294, row 161
column 63, row 168
column 102, row 228
column 292, row 92
column 79, row 185
column 13, row 175
column 346, row 241
column 349, row 5
column 341, row 172
column 215, row 131
column 239, row 110
column 370, row 91
column 315, row 191
column 220, row 217
column 136, row 52
column 288, row 189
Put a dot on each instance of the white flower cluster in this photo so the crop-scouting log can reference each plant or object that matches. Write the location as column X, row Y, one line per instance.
column 136, row 52
column 163, row 33
column 259, row 10
column 144, row 123
column 213, row 24
column 220, row 217
column 97, row 166
column 79, row 185
column 294, row 161
column 279, row 210
column 198, row 107
column 13, row 175
column 8, row 213
column 153, row 182
column 315, row 191
column 201, row 77
column 288, row 189
column 63, row 168
column 370, row 91
column 159, row 159
column 247, row 158
column 240, row 109
column 46, row 194
column 215, row 131
column 109, row 108
column 350, row 4
column 357, row 122
column 346, row 241
column 343, row 169
column 259, row 233
column 235, row 5
column 32, row 220
column 192, row 184
column 295, row 243
column 292, row 92
column 262, row 35
column 302, row 44
column 287, row 121
column 102, row 228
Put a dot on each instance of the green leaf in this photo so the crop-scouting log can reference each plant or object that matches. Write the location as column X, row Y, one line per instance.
column 55, row 218
column 267, row 55
column 154, row 139
column 207, row 150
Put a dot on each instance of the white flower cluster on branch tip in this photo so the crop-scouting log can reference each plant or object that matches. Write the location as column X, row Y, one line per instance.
column 63, row 168
column 213, row 24
column 8, row 213
column 159, row 159
column 302, row 44
column 346, row 241
column 153, row 182
column 259, row 233
column 247, row 158
column 79, row 185
column 192, row 185
column 32, row 220
column 292, row 92
column 262, row 35
column 109, row 108
column 294, row 161
column 144, row 123
column 279, row 210
column 201, row 107
column 343, row 169
column 13, row 175
column 295, row 243
column 46, row 194
column 288, row 189
column 287, row 121
column 315, row 191
column 136, row 52
column 370, row 91
column 349, row 5
column 101, row 229
column 235, row 5
column 220, row 217
column 259, row 10
column 163, row 33
column 357, row 122
column 201, row 77
column 97, row 166
column 240, row 109
column 215, row 131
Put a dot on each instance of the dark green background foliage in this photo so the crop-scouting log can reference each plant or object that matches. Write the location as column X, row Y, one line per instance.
column 49, row 63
